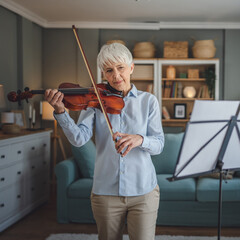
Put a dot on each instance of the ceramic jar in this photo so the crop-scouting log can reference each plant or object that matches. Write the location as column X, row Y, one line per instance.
column 171, row 72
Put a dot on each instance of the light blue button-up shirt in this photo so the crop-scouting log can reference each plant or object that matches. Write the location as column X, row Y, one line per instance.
column 133, row 174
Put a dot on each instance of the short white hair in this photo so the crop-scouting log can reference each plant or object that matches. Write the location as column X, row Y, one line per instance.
column 114, row 53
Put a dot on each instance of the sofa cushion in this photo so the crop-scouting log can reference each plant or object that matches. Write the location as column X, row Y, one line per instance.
column 166, row 161
column 85, row 158
column 208, row 190
column 81, row 188
column 184, row 189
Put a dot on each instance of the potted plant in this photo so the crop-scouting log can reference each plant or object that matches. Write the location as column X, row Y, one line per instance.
column 210, row 81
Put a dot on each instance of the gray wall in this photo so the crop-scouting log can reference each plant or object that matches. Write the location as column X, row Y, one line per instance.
column 232, row 65
column 8, row 52
column 20, row 58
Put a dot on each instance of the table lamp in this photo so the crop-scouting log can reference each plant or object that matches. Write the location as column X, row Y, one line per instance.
column 47, row 114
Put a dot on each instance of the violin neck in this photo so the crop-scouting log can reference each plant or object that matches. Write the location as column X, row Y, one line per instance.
column 67, row 91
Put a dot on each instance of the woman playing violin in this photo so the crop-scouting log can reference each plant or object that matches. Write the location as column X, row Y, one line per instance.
column 125, row 184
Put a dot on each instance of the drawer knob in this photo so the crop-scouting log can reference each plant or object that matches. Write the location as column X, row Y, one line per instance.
column 2, row 205
column 18, row 196
column 33, row 167
column 2, row 156
column 44, row 144
column 33, row 148
column 19, row 172
column 19, row 152
column 2, row 179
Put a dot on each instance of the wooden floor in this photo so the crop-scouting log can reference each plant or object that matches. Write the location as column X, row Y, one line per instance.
column 42, row 222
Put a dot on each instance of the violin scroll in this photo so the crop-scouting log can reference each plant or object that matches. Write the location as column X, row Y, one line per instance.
column 19, row 95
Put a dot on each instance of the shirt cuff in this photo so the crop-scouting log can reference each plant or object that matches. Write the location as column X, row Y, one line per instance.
column 145, row 143
column 62, row 118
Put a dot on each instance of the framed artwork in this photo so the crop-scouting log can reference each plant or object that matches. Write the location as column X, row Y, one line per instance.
column 180, row 110
column 19, row 118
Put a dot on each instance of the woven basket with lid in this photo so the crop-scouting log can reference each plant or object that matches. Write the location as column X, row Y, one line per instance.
column 204, row 49
column 144, row 50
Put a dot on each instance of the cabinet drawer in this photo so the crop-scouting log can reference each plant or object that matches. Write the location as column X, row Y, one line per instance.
column 17, row 151
column 11, row 200
column 37, row 188
column 44, row 149
column 31, row 149
column 5, row 155
column 10, row 175
column 32, row 166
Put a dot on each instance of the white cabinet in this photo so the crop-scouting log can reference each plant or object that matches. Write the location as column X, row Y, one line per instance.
column 24, row 174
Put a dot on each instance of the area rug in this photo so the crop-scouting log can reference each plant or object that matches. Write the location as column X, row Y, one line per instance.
column 73, row 236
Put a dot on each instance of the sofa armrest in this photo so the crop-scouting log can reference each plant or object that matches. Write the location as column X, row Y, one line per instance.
column 66, row 173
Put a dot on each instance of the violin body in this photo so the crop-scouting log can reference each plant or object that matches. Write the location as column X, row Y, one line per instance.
column 77, row 98
column 112, row 102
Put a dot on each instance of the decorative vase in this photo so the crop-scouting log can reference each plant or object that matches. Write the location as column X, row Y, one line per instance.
column 171, row 72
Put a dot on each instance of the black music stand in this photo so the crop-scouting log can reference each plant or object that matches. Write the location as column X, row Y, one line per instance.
column 211, row 143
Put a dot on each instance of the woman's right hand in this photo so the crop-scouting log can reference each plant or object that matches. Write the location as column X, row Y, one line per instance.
column 54, row 98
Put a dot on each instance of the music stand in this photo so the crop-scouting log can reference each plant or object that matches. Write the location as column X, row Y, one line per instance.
column 211, row 143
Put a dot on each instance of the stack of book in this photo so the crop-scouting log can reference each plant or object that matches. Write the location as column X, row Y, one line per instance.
column 170, row 89
column 203, row 92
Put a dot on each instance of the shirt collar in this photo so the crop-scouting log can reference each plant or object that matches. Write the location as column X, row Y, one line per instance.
column 132, row 92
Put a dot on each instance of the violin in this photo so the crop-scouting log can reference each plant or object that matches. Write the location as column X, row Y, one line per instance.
column 77, row 98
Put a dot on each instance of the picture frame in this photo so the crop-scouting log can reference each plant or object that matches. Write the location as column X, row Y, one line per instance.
column 19, row 118
column 180, row 110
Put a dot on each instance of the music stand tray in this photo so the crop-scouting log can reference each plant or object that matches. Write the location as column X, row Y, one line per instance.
column 211, row 143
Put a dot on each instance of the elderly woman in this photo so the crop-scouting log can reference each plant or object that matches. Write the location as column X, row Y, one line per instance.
column 125, row 185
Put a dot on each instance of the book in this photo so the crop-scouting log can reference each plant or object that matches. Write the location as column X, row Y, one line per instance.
column 165, row 113
column 150, row 88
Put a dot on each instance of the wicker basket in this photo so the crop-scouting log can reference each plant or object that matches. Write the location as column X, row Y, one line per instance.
column 193, row 73
column 115, row 41
column 175, row 49
column 204, row 49
column 144, row 50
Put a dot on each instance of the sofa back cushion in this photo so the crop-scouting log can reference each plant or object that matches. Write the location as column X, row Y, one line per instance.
column 85, row 158
column 165, row 162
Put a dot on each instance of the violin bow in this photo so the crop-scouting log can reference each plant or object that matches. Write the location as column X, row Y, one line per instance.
column 93, row 81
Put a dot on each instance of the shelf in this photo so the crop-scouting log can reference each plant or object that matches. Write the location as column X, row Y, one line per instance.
column 185, row 99
column 144, row 79
column 175, row 120
column 185, row 79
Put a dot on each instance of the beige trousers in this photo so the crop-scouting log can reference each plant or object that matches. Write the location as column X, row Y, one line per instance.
column 112, row 212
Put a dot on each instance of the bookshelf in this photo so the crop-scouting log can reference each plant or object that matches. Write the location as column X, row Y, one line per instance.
column 169, row 86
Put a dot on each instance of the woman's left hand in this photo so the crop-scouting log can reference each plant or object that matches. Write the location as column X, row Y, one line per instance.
column 128, row 141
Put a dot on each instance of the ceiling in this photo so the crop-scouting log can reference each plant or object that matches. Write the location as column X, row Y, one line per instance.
column 135, row 14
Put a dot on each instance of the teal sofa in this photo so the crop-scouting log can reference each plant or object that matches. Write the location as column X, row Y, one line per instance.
column 186, row 202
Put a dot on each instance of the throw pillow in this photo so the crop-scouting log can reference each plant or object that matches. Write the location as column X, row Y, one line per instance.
column 85, row 158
